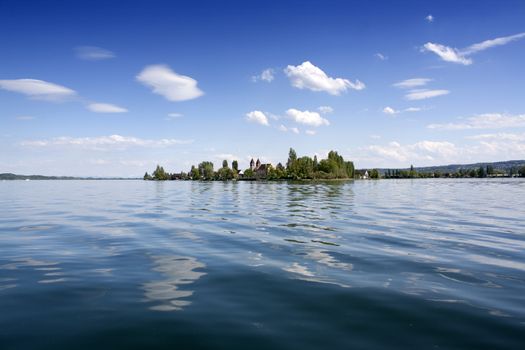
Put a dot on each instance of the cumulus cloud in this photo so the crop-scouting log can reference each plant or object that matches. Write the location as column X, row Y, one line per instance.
column 484, row 121
column 390, row 111
column 450, row 54
column 294, row 130
column 424, row 94
column 310, row 132
column 306, row 117
column 308, row 76
column 266, row 75
column 105, row 108
column 380, row 56
column 103, row 142
column 429, row 18
column 325, row 109
column 93, row 53
column 282, row 128
column 37, row 89
column 412, row 83
column 167, row 83
column 228, row 156
column 257, row 117
column 501, row 136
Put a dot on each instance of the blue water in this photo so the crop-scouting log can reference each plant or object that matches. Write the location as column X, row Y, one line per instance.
column 408, row 264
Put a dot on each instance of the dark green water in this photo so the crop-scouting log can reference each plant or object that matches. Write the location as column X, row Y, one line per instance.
column 420, row 264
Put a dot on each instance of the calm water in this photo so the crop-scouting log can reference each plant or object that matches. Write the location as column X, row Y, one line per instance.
column 417, row 264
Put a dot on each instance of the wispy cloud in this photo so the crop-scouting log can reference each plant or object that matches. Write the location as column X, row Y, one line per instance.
column 310, row 132
column 103, row 142
column 484, row 121
column 93, row 53
column 25, row 117
column 38, row 89
column 170, row 85
column 325, row 109
column 266, row 75
column 392, row 111
column 308, row 76
column 105, row 108
column 257, row 117
column 380, row 56
column 306, row 117
column 172, row 116
column 461, row 56
column 423, row 94
column 501, row 136
column 429, row 18
column 412, row 83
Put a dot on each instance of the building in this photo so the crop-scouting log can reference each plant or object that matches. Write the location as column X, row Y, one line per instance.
column 260, row 170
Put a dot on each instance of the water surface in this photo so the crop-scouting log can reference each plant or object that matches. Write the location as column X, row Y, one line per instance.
column 194, row 265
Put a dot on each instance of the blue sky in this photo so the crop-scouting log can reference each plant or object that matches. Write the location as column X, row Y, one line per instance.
column 111, row 88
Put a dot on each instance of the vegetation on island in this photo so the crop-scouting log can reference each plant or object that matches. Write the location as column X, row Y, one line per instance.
column 473, row 171
column 297, row 168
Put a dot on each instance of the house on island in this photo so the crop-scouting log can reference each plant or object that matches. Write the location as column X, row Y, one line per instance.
column 260, row 170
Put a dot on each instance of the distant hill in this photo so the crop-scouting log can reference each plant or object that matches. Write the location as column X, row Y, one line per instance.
column 10, row 176
column 504, row 166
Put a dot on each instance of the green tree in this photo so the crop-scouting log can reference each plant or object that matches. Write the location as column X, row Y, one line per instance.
column 481, row 172
column 147, row 176
column 490, row 170
column 206, row 170
column 195, row 173
column 235, row 166
column 374, row 174
column 521, row 171
column 160, row 174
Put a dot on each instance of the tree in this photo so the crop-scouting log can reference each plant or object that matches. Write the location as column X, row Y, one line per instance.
column 490, row 170
column 225, row 163
column 374, row 174
column 235, row 166
column 521, row 171
column 147, row 176
column 481, row 172
column 194, row 173
column 160, row 174
column 206, row 170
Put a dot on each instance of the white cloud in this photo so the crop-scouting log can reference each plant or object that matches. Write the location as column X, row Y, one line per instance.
column 429, row 18
column 308, row 76
column 93, row 53
column 460, row 56
column 172, row 116
column 228, row 156
column 446, row 53
column 105, row 108
column 167, row 83
column 325, row 109
column 104, row 142
column 412, row 83
column 306, row 117
column 37, row 89
column 294, row 130
column 380, row 56
column 282, row 128
column 424, row 94
column 266, row 75
column 501, row 136
column 311, row 132
column 390, row 111
column 257, row 117
column 422, row 151
column 484, row 121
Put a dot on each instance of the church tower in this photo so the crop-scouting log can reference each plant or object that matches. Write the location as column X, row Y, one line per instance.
column 252, row 164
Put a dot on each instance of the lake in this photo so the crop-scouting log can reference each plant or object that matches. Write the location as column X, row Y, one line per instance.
column 396, row 264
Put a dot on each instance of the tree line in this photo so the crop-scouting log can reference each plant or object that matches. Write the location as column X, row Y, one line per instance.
column 297, row 168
